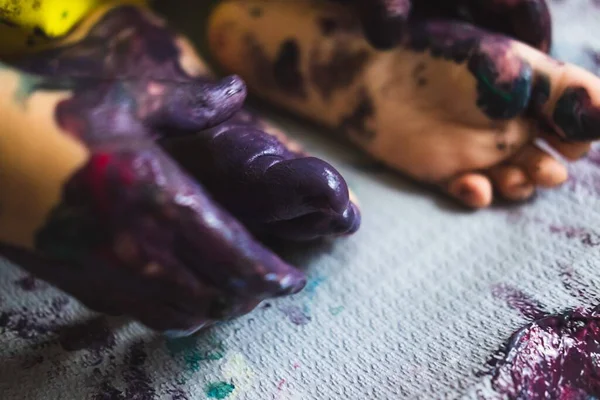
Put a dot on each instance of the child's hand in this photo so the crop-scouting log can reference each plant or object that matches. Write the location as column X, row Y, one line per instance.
column 134, row 233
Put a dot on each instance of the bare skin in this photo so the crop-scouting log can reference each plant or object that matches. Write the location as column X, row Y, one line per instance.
column 454, row 105
column 131, row 178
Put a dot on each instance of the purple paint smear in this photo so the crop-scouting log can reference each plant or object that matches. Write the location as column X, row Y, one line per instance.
column 28, row 283
column 554, row 356
column 517, row 300
column 28, row 325
column 295, row 314
column 587, row 238
column 138, row 383
column 93, row 335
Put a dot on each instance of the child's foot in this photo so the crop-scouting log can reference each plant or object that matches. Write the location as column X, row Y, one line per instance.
column 455, row 106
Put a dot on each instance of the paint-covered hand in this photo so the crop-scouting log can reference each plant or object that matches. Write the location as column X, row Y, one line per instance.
column 385, row 21
column 134, row 232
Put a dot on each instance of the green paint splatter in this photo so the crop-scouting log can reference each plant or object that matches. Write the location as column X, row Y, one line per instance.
column 505, row 96
column 195, row 350
column 336, row 310
column 219, row 390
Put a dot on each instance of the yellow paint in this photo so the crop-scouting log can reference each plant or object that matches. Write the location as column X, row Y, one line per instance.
column 32, row 25
column 237, row 370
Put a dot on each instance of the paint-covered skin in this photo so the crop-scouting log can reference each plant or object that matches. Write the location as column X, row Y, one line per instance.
column 453, row 105
column 281, row 193
column 132, row 232
column 385, row 22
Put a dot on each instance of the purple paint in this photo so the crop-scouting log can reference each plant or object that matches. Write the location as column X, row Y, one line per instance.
column 575, row 284
column 28, row 325
column 178, row 394
column 133, row 222
column 139, row 385
column 28, row 283
column 587, row 238
column 554, row 357
column 517, row 300
column 93, row 335
column 295, row 314
column 107, row 391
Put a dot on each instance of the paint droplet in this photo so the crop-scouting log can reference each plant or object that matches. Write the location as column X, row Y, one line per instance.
column 219, row 390
column 280, row 384
column 336, row 310
column 296, row 315
column 27, row 283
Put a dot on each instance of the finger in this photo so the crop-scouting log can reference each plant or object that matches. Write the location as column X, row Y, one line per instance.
column 266, row 185
column 212, row 243
column 193, row 105
column 182, row 104
column 528, row 21
column 564, row 97
column 170, row 221
column 384, row 21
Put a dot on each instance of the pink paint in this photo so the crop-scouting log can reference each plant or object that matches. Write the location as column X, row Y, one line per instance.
column 280, row 385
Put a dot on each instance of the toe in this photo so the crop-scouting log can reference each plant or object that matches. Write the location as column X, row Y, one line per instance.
column 565, row 97
column 570, row 151
column 512, row 182
column 472, row 189
column 383, row 21
column 542, row 168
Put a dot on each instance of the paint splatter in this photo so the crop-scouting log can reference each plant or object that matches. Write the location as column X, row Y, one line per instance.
column 295, row 314
column 553, row 357
column 92, row 335
column 587, row 238
column 139, row 385
column 26, row 324
column 219, row 390
column 28, row 283
column 280, row 384
column 301, row 315
column 236, row 369
column 336, row 310
column 517, row 300
column 195, row 350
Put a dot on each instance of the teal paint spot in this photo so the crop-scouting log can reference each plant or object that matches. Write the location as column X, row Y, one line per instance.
column 219, row 390
column 336, row 310
column 311, row 291
column 312, row 285
column 195, row 350
column 27, row 85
